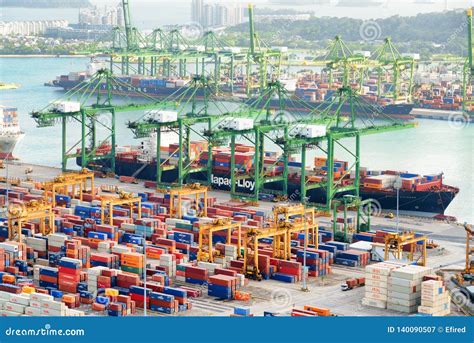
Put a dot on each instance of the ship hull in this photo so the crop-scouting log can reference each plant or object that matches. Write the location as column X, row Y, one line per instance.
column 417, row 201
column 367, row 109
column 7, row 145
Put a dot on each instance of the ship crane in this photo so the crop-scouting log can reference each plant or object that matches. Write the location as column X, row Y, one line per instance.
column 339, row 126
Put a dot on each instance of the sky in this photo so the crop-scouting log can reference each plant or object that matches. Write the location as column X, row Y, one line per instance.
column 147, row 14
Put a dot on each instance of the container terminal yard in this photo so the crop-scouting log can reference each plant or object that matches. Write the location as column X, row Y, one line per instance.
column 446, row 255
column 221, row 210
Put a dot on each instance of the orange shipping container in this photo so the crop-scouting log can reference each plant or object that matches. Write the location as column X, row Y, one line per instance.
column 323, row 312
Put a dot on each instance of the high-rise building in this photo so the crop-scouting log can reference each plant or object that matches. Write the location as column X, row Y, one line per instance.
column 102, row 16
column 197, row 10
column 27, row 28
column 216, row 14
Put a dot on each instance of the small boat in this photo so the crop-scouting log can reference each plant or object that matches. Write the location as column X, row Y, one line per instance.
column 5, row 86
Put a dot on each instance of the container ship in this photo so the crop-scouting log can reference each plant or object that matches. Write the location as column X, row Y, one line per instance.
column 10, row 132
column 306, row 92
column 418, row 193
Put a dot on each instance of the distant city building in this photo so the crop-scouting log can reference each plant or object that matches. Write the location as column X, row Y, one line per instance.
column 289, row 17
column 196, row 10
column 215, row 14
column 30, row 28
column 112, row 16
column 81, row 32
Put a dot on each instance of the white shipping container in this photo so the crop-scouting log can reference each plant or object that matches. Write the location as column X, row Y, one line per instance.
column 240, row 124
column 308, row 131
column 33, row 311
column 181, row 83
column 363, row 53
column 280, row 48
column 13, row 307
column 232, row 50
column 164, row 116
column 66, row 106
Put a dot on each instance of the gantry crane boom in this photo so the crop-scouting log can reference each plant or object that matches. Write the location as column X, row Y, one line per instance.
column 61, row 184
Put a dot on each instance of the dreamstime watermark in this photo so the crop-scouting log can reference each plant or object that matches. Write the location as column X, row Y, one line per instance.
column 372, row 208
column 281, row 298
column 370, row 31
column 16, row 209
column 459, row 298
column 458, row 120
column 459, row 30
column 192, row 208
column 45, row 331
column 104, row 121
column 192, row 31
column 282, row 117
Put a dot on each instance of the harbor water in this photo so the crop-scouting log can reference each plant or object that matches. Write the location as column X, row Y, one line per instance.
column 432, row 147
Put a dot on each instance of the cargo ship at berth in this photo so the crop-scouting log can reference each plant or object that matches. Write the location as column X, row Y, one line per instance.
column 304, row 96
column 10, row 132
column 420, row 193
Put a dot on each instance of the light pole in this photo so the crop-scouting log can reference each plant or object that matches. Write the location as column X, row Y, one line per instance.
column 305, row 286
column 397, row 185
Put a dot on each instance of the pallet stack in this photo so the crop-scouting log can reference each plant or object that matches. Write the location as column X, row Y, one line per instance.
column 404, row 288
column 376, row 283
column 435, row 299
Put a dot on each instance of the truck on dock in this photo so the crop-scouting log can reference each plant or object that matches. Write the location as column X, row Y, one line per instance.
column 353, row 283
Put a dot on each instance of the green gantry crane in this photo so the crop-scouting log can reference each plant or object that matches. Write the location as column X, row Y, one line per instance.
column 188, row 122
column 263, row 57
column 266, row 123
column 340, row 59
column 90, row 104
column 392, row 66
column 338, row 127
